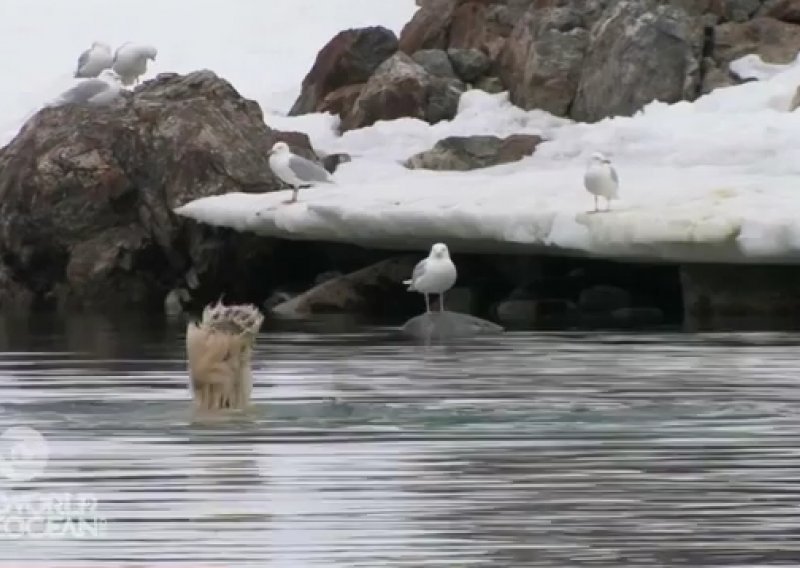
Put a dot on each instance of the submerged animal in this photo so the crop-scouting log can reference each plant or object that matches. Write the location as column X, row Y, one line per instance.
column 219, row 350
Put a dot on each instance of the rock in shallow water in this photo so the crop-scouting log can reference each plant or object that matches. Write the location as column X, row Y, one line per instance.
column 448, row 325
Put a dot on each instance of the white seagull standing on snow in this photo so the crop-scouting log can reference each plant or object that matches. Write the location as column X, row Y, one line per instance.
column 601, row 179
column 130, row 61
column 433, row 275
column 92, row 61
column 295, row 170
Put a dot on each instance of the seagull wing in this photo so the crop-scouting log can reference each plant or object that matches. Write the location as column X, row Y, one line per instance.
column 613, row 173
column 84, row 91
column 308, row 171
column 419, row 270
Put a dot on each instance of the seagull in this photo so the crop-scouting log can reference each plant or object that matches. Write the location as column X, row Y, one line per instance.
column 130, row 61
column 94, row 92
column 295, row 170
column 433, row 275
column 601, row 180
column 92, row 61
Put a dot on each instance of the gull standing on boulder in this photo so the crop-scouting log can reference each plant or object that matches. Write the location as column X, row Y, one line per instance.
column 433, row 275
column 130, row 61
column 295, row 170
column 92, row 61
column 94, row 92
column 601, row 179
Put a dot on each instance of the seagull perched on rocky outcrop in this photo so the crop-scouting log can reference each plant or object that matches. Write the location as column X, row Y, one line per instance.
column 92, row 61
column 295, row 170
column 219, row 350
column 100, row 91
column 130, row 61
column 601, row 180
column 433, row 275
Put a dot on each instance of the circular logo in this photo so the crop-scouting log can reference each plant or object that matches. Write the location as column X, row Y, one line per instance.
column 23, row 453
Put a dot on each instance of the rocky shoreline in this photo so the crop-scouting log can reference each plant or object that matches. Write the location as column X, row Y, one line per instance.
column 88, row 194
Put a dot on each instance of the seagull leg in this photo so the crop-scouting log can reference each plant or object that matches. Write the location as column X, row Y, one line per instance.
column 294, row 196
column 427, row 304
column 441, row 302
column 596, row 204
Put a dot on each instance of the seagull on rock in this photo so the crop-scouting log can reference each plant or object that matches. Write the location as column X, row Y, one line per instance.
column 433, row 275
column 295, row 170
column 601, row 179
column 130, row 61
column 100, row 91
column 92, row 61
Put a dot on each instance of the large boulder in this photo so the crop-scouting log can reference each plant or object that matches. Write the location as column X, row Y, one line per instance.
column 401, row 87
column 471, row 152
column 542, row 61
column 348, row 59
column 784, row 10
column 429, row 26
column 641, row 52
column 86, row 194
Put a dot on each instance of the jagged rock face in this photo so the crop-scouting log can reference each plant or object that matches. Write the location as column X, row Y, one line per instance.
column 401, row 87
column 471, row 152
column 86, row 194
column 348, row 59
column 641, row 52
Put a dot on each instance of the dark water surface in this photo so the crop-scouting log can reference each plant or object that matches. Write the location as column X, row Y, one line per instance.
column 366, row 450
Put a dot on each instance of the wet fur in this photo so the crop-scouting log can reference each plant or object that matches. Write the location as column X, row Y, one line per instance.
column 219, row 351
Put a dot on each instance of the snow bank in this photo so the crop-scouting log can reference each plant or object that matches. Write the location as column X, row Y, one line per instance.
column 717, row 180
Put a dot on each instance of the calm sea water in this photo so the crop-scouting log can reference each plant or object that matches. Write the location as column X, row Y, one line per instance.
column 366, row 450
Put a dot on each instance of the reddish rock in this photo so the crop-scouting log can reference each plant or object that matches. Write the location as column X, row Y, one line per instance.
column 773, row 40
column 348, row 59
column 400, row 87
column 473, row 27
column 784, row 10
column 342, row 100
column 429, row 26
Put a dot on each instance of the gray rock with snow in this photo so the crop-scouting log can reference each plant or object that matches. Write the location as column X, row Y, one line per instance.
column 642, row 52
column 448, row 325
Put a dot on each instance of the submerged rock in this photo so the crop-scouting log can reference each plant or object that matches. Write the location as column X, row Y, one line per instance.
column 448, row 325
column 364, row 291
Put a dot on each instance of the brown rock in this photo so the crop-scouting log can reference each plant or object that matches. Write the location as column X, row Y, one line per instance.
column 342, row 100
column 464, row 153
column 87, row 193
column 542, row 60
column 348, row 59
column 773, row 40
column 429, row 26
column 784, row 10
column 400, row 87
